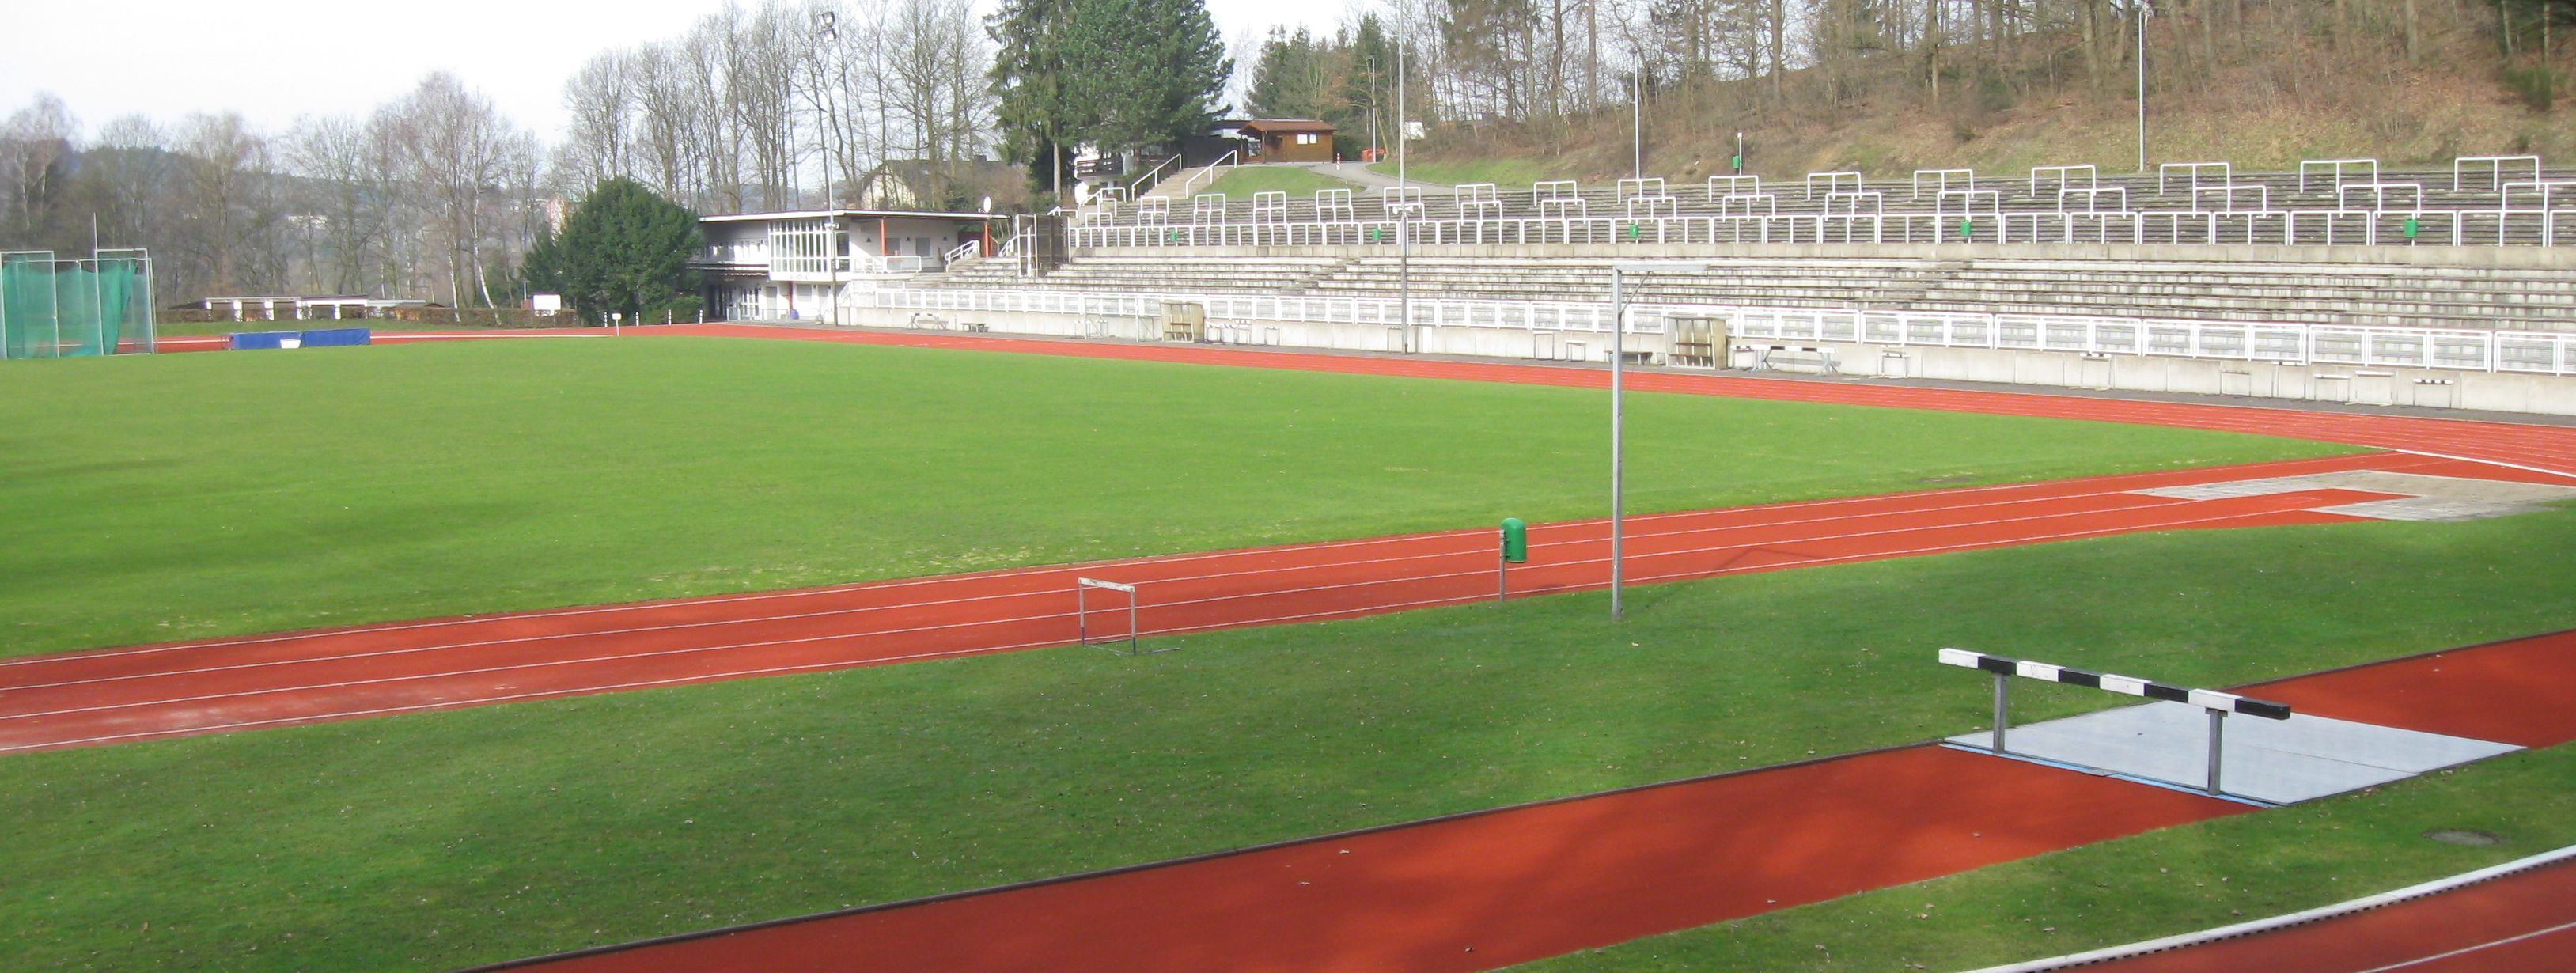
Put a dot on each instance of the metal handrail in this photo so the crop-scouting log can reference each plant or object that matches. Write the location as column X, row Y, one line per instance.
column 1134, row 189
column 1231, row 157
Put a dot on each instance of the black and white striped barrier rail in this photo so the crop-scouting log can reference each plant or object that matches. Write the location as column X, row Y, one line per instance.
column 2219, row 704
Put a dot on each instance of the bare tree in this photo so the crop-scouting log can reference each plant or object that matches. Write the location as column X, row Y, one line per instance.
column 228, row 212
column 461, row 154
column 128, row 172
column 602, row 98
column 35, row 156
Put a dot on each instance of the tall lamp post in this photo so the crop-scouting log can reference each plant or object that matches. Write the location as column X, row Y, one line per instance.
column 1403, row 210
column 1619, row 271
column 831, row 212
column 1637, row 126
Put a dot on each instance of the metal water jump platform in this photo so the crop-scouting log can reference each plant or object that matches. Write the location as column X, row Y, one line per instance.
column 2282, row 758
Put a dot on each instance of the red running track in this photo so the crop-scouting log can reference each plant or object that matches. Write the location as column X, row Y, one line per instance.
column 2521, row 691
column 121, row 695
column 1482, row 890
column 1489, row 889
column 2521, row 923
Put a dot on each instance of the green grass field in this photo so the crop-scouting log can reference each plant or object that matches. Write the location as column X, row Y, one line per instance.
column 1240, row 182
column 199, row 495
column 434, row 841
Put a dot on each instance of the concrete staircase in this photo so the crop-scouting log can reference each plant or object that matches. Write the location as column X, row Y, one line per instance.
column 2469, row 297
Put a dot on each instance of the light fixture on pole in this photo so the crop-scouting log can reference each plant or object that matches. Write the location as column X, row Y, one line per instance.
column 1619, row 271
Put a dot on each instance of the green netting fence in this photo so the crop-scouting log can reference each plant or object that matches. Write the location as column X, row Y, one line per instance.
column 73, row 308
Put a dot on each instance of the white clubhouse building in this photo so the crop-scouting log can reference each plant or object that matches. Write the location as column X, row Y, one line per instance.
column 786, row 266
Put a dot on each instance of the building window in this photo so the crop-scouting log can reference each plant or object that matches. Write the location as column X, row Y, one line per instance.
column 1305, row 138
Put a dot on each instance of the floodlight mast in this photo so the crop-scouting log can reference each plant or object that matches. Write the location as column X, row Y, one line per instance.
column 1403, row 222
column 833, row 246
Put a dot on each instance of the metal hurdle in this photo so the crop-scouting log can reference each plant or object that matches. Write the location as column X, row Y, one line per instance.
column 2218, row 704
column 1082, row 616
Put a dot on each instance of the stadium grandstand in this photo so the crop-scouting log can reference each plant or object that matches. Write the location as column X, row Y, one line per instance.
column 2342, row 280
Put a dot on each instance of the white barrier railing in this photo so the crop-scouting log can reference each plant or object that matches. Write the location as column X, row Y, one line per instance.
column 2513, row 352
column 1742, row 204
column 2495, row 168
column 869, row 263
column 968, row 250
column 1835, row 182
column 2093, row 197
column 1720, row 187
column 2337, row 168
column 1649, row 187
column 1660, row 207
column 1270, row 206
column 1478, row 199
column 2065, row 176
column 2526, row 352
column 1397, row 199
column 1941, row 181
column 2227, row 196
column 2191, row 175
column 1334, row 204
column 1207, row 208
column 2379, row 193
column 2536, row 214
column 1428, row 312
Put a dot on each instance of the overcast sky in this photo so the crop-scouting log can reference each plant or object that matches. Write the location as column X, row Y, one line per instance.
column 274, row 60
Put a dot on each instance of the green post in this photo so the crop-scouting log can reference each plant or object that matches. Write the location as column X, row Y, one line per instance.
column 1514, row 550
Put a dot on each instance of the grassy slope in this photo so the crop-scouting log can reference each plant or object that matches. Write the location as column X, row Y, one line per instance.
column 1241, row 182
column 1510, row 171
column 196, row 495
column 441, row 839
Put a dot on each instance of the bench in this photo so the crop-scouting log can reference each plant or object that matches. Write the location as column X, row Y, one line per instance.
column 1767, row 358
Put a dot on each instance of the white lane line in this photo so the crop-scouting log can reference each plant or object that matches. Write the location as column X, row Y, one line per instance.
column 1052, row 592
column 2488, row 462
column 2142, row 502
column 686, row 650
column 849, row 664
column 2465, row 950
column 1039, row 574
column 1479, row 535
